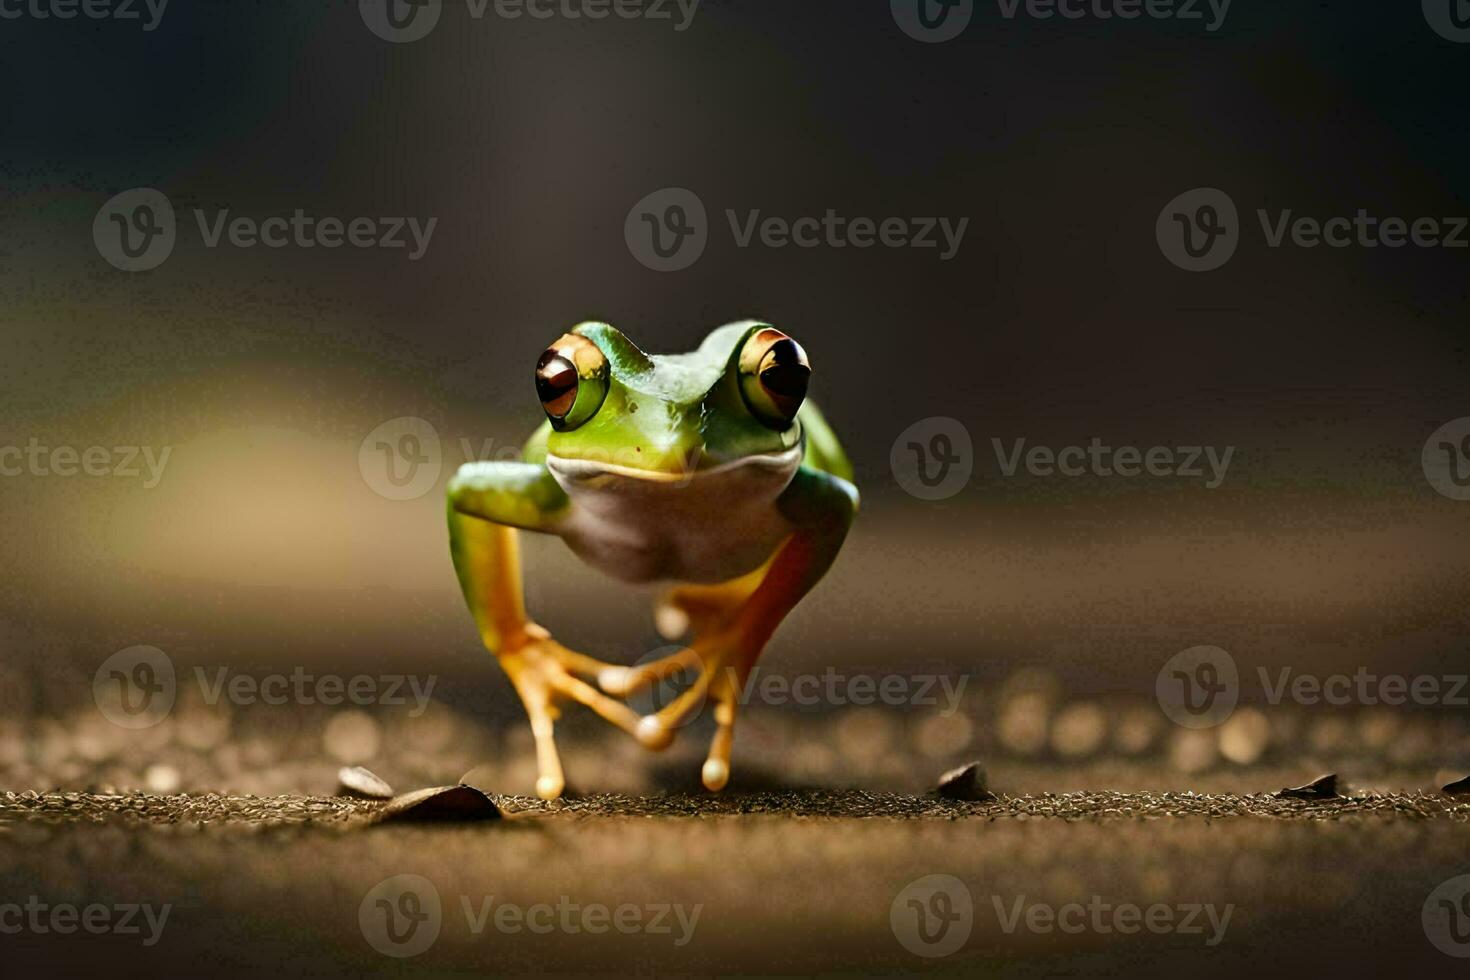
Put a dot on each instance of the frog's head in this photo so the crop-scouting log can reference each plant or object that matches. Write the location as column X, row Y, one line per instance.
column 670, row 417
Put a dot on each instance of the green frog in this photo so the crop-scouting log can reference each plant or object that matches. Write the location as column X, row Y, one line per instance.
column 710, row 470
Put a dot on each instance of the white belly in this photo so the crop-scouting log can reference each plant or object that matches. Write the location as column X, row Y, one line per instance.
column 710, row 527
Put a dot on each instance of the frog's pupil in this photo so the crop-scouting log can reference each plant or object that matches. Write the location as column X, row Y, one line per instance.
column 788, row 373
column 556, row 383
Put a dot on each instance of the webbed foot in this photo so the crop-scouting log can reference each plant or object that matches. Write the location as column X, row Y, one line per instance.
column 543, row 672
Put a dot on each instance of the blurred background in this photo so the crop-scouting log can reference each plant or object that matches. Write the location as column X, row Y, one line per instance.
column 265, row 541
column 229, row 464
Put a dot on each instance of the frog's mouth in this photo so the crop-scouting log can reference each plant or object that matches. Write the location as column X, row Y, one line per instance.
column 567, row 469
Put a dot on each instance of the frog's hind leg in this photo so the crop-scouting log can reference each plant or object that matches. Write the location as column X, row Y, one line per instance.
column 733, row 622
column 679, row 612
column 695, row 609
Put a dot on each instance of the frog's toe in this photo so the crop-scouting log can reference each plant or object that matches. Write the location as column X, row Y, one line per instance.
column 716, row 771
column 653, row 734
column 670, row 619
column 715, row 774
column 616, row 681
column 656, row 731
column 622, row 681
column 699, row 609
column 543, row 673
column 583, row 693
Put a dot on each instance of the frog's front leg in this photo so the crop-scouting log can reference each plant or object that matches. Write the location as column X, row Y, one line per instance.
column 487, row 502
column 734, row 621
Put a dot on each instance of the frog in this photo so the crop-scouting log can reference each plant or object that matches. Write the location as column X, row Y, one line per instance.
column 710, row 473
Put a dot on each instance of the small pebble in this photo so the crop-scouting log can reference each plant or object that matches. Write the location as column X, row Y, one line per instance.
column 362, row 783
column 965, row 783
column 1321, row 788
column 441, row 803
column 1457, row 787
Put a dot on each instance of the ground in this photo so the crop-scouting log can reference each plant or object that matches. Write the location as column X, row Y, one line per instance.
column 1117, row 844
column 788, row 881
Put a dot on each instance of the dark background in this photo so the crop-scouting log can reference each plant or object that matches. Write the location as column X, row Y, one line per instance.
column 1059, row 320
column 266, row 549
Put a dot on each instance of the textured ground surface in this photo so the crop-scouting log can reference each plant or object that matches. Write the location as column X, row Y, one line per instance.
column 819, row 858
column 787, row 881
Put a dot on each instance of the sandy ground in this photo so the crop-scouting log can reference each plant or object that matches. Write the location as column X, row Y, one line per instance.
column 1118, row 845
column 780, row 881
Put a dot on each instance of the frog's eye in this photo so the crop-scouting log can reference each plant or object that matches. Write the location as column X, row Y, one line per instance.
column 571, row 381
column 774, row 373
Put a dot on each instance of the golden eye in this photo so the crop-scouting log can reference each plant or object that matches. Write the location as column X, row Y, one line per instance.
column 774, row 374
column 571, row 381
